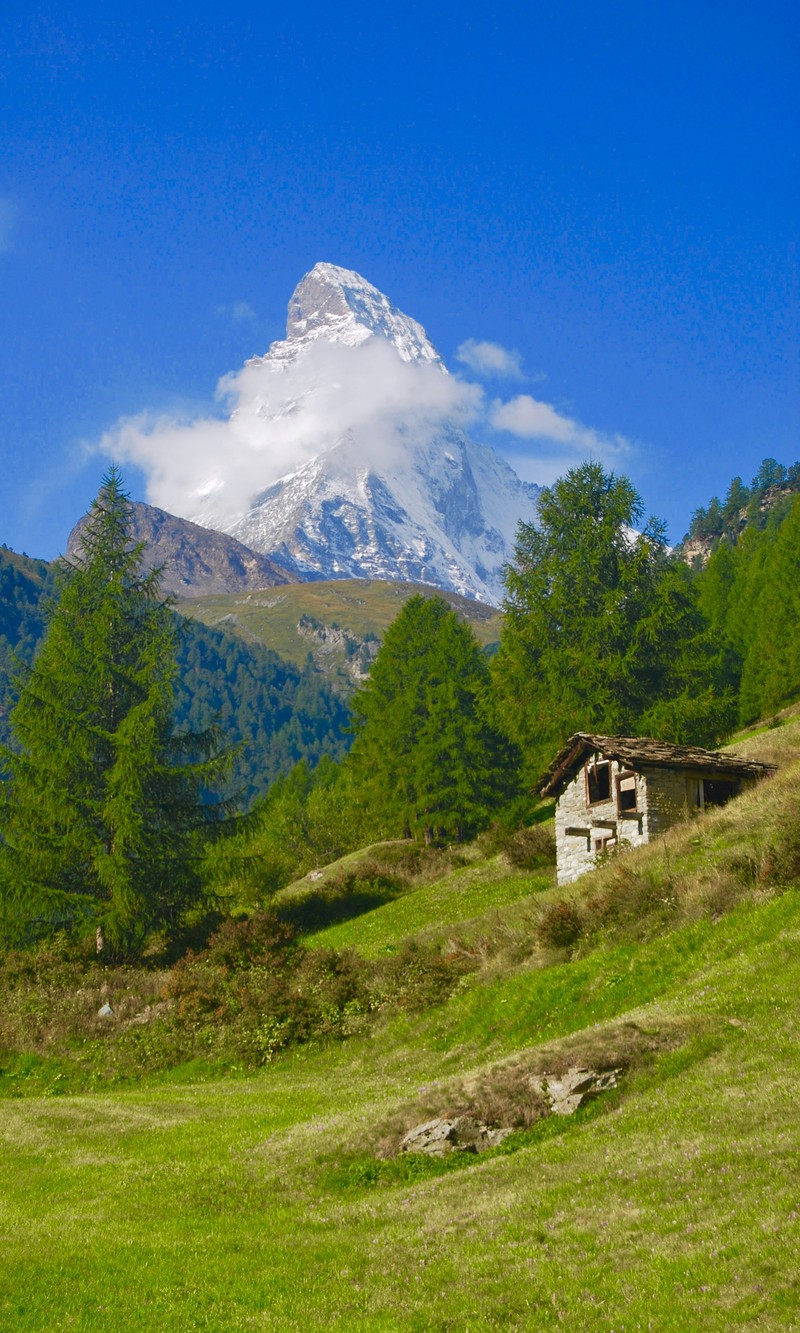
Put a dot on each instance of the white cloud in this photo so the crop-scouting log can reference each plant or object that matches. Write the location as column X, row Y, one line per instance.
column 487, row 358
column 281, row 416
column 275, row 416
column 243, row 313
column 529, row 419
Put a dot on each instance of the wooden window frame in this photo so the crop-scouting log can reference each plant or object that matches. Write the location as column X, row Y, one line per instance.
column 631, row 809
column 602, row 800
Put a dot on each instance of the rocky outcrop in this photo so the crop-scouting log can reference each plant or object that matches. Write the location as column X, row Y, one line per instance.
column 462, row 1134
column 358, row 653
column 566, row 1092
column 196, row 561
column 558, row 1094
column 696, row 550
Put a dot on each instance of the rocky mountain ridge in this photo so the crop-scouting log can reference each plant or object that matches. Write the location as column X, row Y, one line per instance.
column 196, row 561
column 432, row 506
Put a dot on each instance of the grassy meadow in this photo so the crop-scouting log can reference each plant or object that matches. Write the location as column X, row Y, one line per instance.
column 215, row 1195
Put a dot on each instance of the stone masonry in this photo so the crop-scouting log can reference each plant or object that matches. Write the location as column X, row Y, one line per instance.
column 655, row 797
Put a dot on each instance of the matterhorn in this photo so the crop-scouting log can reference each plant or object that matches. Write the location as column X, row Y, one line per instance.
column 389, row 484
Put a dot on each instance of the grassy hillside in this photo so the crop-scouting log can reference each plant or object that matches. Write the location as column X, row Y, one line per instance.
column 271, row 1199
column 340, row 622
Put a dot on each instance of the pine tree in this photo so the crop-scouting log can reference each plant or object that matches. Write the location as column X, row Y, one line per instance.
column 736, row 502
column 429, row 760
column 102, row 815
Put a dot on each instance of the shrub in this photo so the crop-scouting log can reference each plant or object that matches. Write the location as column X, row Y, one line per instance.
column 417, row 861
column 560, row 926
column 782, row 864
column 263, row 937
column 630, row 897
column 526, row 848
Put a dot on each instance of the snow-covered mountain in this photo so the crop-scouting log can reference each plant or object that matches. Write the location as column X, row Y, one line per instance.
column 430, row 505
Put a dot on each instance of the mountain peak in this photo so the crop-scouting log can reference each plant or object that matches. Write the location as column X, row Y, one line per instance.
column 383, row 482
column 339, row 305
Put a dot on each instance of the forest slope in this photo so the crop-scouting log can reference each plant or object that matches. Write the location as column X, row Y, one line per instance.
column 279, row 712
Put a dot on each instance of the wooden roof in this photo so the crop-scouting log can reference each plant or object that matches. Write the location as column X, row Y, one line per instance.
column 643, row 751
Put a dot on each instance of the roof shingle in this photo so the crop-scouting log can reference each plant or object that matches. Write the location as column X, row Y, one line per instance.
column 636, row 751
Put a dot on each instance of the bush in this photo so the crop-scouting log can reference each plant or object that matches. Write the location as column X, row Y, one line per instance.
column 256, row 990
column 629, row 897
column 782, row 865
column 526, row 848
column 560, row 926
column 264, row 937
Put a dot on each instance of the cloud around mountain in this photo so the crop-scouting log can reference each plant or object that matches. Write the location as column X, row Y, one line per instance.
column 282, row 417
column 279, row 418
column 352, row 368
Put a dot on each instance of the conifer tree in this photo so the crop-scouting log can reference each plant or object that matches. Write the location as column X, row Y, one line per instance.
column 736, row 501
column 602, row 629
column 101, row 816
column 429, row 760
column 771, row 671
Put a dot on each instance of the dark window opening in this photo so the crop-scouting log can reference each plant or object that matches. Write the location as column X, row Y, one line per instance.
column 598, row 782
column 717, row 792
column 626, row 791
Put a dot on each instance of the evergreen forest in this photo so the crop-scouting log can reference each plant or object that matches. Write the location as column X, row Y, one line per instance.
column 272, row 713
column 605, row 629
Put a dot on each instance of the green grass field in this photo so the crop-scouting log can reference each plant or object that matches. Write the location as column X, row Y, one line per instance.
column 255, row 1201
column 458, row 898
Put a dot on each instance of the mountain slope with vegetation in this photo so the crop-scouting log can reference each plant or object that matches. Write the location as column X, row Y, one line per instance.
column 340, row 622
column 748, row 592
column 670, row 1198
column 226, row 1102
column 766, row 500
column 24, row 585
column 279, row 712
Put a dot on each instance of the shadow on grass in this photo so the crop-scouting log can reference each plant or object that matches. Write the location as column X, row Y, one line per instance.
column 341, row 901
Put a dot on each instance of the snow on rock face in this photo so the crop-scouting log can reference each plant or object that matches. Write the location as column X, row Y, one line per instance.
column 433, row 506
column 340, row 305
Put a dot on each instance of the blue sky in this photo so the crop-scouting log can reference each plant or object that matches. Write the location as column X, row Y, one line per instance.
column 609, row 190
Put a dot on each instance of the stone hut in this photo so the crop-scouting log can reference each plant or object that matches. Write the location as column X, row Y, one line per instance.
column 618, row 790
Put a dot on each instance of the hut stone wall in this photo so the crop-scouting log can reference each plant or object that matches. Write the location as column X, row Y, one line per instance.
column 583, row 831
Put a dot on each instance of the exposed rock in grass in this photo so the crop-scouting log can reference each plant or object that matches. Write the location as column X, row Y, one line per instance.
column 478, row 1112
column 556, row 1095
column 575, row 1087
column 462, row 1134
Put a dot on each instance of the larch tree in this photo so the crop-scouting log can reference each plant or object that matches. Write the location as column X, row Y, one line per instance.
column 428, row 758
column 771, row 671
column 602, row 630
column 104, row 810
